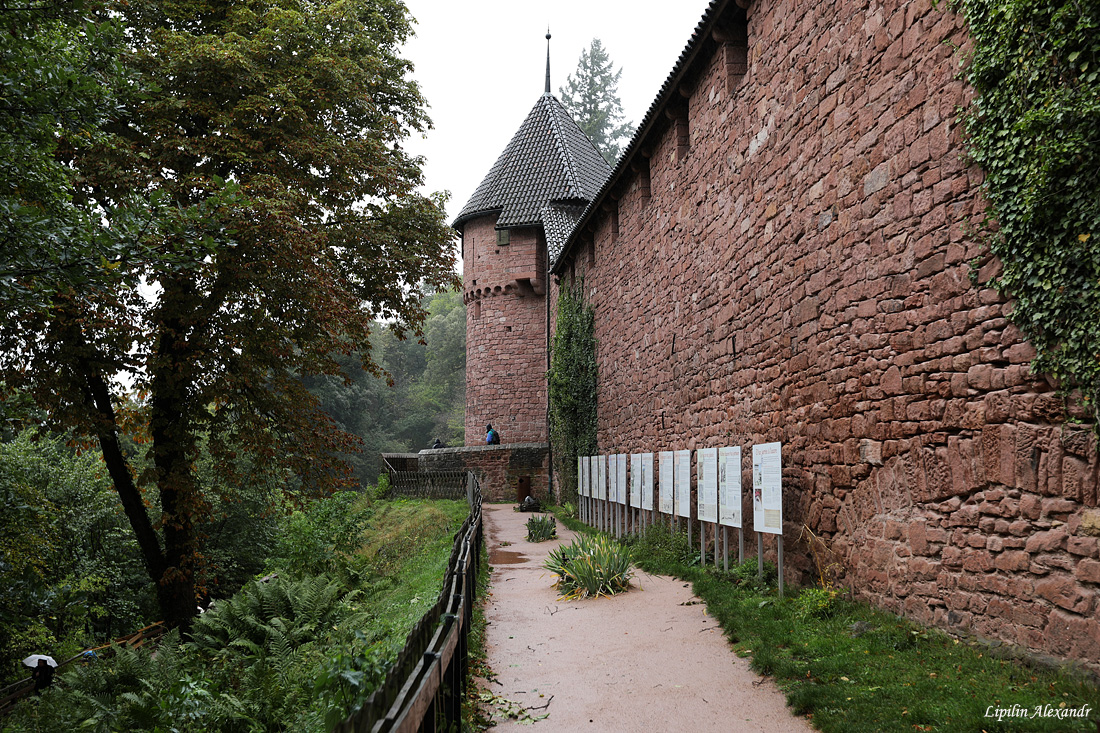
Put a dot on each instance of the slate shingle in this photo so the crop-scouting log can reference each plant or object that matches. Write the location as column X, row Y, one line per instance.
column 558, row 220
column 550, row 165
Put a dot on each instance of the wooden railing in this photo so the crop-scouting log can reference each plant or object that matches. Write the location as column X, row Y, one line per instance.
column 12, row 693
column 423, row 690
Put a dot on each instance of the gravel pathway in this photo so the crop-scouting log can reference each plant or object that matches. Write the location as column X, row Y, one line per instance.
column 647, row 660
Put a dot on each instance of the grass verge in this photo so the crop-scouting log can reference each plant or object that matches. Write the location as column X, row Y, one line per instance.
column 295, row 654
column 849, row 667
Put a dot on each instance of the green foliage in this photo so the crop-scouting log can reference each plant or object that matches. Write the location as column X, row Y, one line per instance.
column 60, row 72
column 572, row 386
column 349, row 678
column 592, row 97
column 70, row 572
column 322, row 536
column 284, row 223
column 294, row 654
column 590, row 567
column 421, row 396
column 540, row 529
column 663, row 547
column 815, row 602
column 281, row 614
column 1034, row 127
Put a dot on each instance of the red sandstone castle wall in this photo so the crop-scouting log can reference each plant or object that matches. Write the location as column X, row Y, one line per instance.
column 505, row 333
column 801, row 275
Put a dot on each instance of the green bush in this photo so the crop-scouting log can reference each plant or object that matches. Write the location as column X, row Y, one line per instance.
column 322, row 536
column 591, row 567
column 70, row 571
column 540, row 529
column 663, row 548
column 815, row 603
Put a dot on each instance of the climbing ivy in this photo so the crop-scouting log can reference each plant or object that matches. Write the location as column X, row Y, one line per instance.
column 572, row 380
column 1034, row 127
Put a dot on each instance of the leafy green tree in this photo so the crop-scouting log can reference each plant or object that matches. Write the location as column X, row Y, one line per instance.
column 445, row 368
column 289, row 222
column 1034, row 127
column 420, row 397
column 59, row 72
column 592, row 97
column 70, row 571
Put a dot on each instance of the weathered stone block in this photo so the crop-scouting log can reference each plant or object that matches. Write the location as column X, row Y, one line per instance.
column 1064, row 591
column 1013, row 561
column 1046, row 541
column 1090, row 523
column 1088, row 571
column 1085, row 546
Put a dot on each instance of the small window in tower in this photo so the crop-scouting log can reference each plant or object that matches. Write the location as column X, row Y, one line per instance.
column 476, row 309
column 503, row 237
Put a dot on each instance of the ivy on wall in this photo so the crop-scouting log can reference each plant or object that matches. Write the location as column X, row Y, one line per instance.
column 572, row 386
column 1034, row 127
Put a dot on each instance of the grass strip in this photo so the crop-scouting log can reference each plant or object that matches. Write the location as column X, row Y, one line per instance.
column 849, row 667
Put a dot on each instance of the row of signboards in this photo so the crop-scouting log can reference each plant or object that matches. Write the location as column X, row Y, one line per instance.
column 718, row 472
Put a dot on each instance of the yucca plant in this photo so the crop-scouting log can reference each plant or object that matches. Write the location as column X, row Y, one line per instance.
column 541, row 528
column 591, row 567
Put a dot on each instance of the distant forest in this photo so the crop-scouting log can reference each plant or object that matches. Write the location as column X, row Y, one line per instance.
column 428, row 397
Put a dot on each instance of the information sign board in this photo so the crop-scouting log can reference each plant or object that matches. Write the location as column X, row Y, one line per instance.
column 707, row 461
column 635, row 479
column 601, row 478
column 667, row 479
column 582, row 461
column 767, row 488
column 682, row 459
column 621, row 474
column 729, row 487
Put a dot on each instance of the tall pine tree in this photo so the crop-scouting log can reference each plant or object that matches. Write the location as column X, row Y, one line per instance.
column 592, row 97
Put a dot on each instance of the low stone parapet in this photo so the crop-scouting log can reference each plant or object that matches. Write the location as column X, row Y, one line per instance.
column 507, row 472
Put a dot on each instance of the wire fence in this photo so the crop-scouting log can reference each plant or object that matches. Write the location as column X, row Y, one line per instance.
column 423, row 690
column 428, row 484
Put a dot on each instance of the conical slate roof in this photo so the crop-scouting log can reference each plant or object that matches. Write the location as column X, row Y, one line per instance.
column 549, row 165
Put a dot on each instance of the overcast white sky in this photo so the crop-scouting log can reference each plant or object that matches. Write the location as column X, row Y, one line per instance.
column 481, row 64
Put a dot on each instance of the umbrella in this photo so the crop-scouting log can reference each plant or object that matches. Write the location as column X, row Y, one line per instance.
column 32, row 660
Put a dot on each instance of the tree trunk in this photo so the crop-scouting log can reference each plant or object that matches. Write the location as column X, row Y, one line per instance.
column 172, row 428
column 119, row 469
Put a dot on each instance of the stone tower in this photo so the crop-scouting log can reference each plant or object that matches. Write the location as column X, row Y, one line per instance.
column 512, row 228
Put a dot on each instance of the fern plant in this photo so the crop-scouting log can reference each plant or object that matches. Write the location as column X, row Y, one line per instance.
column 280, row 614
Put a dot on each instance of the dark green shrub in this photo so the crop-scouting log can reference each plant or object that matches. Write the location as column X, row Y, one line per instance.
column 540, row 529
column 591, row 567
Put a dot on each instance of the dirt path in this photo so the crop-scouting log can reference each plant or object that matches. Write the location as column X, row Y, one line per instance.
column 647, row 660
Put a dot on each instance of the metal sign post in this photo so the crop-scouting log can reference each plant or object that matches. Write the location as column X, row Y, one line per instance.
column 779, row 558
column 725, row 550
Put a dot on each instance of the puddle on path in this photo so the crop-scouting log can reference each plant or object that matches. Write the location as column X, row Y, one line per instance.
column 498, row 556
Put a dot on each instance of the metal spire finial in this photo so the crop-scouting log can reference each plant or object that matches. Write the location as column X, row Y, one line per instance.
column 547, row 59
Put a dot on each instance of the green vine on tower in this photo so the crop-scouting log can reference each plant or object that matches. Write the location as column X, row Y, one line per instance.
column 1034, row 128
column 572, row 384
